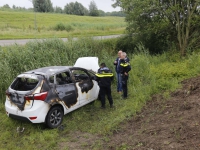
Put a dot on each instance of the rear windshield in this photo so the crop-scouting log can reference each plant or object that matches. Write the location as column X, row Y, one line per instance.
column 24, row 84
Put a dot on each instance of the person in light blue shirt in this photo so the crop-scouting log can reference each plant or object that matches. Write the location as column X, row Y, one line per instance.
column 117, row 69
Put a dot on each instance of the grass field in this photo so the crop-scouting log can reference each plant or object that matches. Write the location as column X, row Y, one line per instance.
column 22, row 25
column 149, row 75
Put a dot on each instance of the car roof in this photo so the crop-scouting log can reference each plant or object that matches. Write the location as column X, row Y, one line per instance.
column 49, row 70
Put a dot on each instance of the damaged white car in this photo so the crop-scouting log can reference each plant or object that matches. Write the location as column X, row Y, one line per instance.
column 46, row 94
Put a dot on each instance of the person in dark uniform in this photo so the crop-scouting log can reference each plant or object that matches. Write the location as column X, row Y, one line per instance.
column 104, row 79
column 126, row 58
column 124, row 69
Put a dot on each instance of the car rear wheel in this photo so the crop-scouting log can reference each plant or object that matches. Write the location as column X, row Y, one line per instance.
column 54, row 117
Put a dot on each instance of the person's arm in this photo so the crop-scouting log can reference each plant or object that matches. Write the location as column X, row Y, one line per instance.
column 128, row 68
column 127, row 59
column 116, row 61
column 99, row 70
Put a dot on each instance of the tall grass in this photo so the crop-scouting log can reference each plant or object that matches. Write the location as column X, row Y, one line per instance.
column 149, row 75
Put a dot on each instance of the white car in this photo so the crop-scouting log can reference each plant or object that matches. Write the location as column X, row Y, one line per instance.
column 46, row 94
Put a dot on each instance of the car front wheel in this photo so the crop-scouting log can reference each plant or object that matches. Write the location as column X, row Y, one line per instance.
column 54, row 117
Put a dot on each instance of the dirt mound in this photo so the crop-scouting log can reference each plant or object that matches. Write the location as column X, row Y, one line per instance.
column 164, row 124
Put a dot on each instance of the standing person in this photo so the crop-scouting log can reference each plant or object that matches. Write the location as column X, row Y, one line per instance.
column 126, row 58
column 124, row 69
column 117, row 69
column 104, row 78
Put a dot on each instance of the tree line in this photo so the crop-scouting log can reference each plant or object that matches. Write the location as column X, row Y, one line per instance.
column 161, row 25
column 73, row 8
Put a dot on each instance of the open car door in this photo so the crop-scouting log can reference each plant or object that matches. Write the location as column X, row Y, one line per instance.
column 87, row 87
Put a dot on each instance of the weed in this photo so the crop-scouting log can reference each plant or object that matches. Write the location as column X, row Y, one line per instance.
column 61, row 27
column 123, row 146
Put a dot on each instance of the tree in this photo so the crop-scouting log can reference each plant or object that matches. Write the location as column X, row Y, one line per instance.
column 58, row 9
column 163, row 22
column 115, row 13
column 69, row 8
column 13, row 7
column 79, row 9
column 39, row 5
column 49, row 6
column 101, row 13
column 183, row 17
column 93, row 10
column 42, row 5
column 6, row 6
column 75, row 9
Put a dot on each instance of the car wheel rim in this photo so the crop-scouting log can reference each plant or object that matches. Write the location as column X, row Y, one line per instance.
column 55, row 117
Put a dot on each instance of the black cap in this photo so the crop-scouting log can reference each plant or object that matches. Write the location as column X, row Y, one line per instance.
column 103, row 65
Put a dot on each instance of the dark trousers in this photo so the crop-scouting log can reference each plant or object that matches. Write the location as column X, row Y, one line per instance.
column 103, row 92
column 124, row 86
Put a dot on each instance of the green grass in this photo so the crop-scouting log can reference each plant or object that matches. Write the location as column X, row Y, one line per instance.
column 21, row 25
column 149, row 75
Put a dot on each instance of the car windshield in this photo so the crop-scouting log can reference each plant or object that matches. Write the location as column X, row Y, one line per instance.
column 24, row 84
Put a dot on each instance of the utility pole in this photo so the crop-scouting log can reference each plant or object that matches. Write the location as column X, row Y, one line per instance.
column 35, row 16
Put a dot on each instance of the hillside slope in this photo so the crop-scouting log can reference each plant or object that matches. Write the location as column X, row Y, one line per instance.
column 18, row 25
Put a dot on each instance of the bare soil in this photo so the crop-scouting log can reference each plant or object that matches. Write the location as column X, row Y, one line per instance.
column 163, row 124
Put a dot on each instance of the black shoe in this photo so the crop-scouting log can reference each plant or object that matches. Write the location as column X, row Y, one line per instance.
column 103, row 107
column 111, row 106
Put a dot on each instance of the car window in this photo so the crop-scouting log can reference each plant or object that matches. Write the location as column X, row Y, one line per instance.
column 31, row 81
column 80, row 75
column 92, row 75
column 63, row 78
column 24, row 84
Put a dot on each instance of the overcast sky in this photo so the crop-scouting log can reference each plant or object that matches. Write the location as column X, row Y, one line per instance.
column 104, row 5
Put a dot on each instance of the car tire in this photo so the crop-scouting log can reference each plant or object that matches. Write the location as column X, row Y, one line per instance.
column 54, row 117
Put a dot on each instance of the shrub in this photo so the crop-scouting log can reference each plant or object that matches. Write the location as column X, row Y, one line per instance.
column 61, row 27
column 69, row 28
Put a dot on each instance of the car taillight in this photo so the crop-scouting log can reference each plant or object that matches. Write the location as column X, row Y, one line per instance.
column 39, row 96
column 28, row 98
